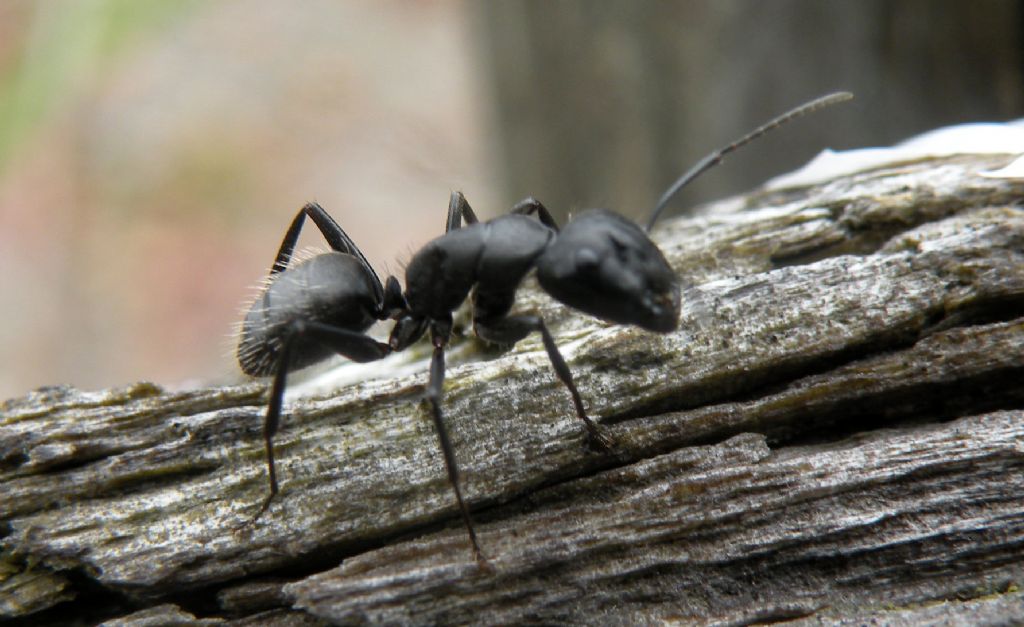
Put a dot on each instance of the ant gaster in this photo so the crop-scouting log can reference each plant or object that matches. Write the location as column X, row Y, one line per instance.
column 600, row 263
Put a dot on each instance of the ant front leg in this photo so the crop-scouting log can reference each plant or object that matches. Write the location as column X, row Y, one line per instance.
column 511, row 329
column 355, row 346
column 439, row 337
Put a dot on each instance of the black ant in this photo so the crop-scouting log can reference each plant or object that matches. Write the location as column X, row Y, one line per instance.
column 600, row 263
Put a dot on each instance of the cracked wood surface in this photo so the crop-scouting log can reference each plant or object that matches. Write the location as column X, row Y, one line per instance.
column 834, row 433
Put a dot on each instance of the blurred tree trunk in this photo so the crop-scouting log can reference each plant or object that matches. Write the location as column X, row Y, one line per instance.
column 606, row 103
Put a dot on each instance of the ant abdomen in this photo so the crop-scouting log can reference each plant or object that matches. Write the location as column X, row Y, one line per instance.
column 332, row 288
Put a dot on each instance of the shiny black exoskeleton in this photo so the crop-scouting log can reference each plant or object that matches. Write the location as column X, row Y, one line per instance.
column 599, row 263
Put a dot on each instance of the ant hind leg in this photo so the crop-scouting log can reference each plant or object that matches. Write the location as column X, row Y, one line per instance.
column 354, row 346
column 336, row 238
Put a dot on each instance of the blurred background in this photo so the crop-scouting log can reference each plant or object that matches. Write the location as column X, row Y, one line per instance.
column 153, row 152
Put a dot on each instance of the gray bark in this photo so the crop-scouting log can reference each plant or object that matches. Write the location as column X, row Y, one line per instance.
column 835, row 433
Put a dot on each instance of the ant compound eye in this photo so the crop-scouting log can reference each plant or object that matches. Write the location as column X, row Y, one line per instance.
column 587, row 259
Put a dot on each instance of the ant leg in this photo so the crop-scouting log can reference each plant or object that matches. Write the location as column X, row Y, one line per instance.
column 531, row 205
column 511, row 329
column 433, row 396
column 273, row 417
column 336, row 238
column 355, row 346
column 459, row 210
column 349, row 344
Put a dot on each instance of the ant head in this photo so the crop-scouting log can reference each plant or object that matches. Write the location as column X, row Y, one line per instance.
column 605, row 265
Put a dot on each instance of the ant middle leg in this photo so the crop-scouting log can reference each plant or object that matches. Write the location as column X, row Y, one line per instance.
column 459, row 210
column 434, row 394
column 511, row 329
column 531, row 205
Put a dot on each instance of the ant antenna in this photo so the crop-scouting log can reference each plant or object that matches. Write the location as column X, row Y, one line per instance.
column 716, row 157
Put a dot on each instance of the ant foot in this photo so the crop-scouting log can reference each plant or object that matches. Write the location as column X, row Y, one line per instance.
column 252, row 521
column 598, row 439
column 483, row 565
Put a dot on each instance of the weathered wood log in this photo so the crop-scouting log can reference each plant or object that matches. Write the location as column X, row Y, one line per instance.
column 835, row 432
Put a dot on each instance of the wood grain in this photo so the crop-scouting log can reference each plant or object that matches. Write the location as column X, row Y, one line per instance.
column 835, row 432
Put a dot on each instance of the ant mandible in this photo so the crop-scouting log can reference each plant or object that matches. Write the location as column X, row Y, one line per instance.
column 600, row 263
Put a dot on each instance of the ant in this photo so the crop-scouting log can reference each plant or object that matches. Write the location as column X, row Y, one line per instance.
column 599, row 263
